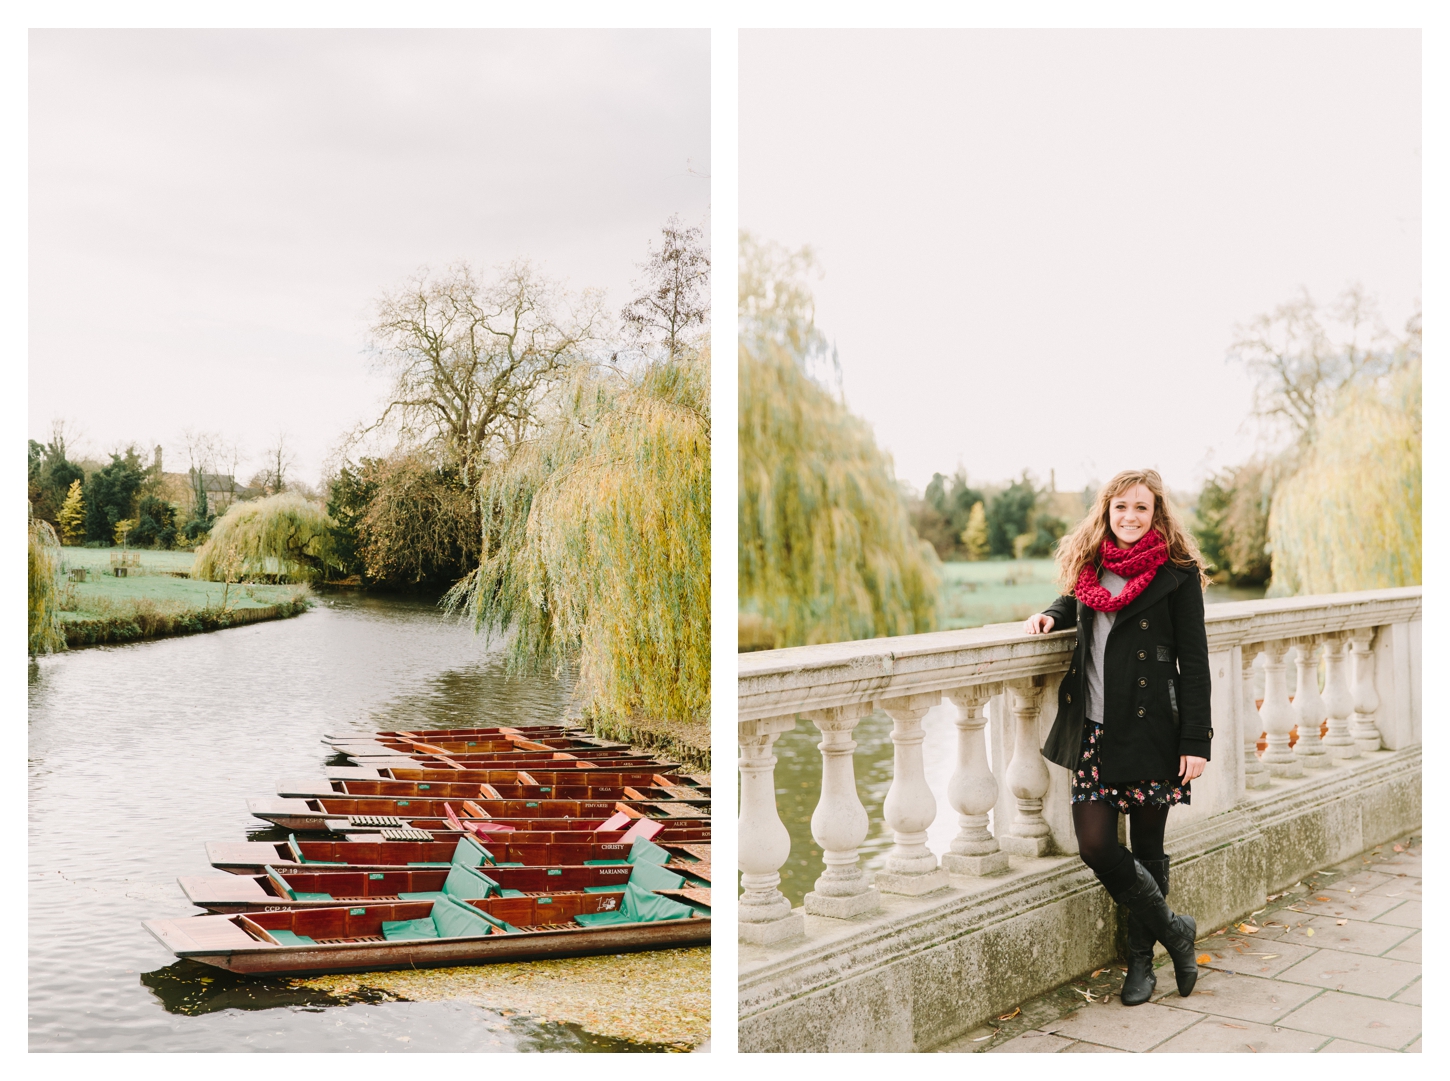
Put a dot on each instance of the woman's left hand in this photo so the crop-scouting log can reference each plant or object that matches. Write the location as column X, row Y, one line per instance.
column 1190, row 766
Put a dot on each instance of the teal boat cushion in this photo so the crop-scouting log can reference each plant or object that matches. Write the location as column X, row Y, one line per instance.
column 432, row 895
column 651, row 876
column 510, row 865
column 646, row 851
column 311, row 896
column 396, row 929
column 647, row 907
column 510, row 893
column 467, row 884
column 599, row 919
column 469, row 853
column 279, row 883
column 290, row 938
column 502, row 925
column 456, row 919
column 297, row 855
column 604, row 889
column 606, row 863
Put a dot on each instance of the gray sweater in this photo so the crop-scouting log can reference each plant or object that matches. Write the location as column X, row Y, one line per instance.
column 1102, row 624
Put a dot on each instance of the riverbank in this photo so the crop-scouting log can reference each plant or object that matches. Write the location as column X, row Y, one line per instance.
column 687, row 742
column 156, row 598
column 661, row 997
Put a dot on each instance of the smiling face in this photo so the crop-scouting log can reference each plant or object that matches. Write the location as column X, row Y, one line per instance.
column 1130, row 515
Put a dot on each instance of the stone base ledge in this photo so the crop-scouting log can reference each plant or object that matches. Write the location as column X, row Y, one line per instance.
column 926, row 970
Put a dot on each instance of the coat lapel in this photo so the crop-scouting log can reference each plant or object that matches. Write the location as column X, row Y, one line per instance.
column 1164, row 582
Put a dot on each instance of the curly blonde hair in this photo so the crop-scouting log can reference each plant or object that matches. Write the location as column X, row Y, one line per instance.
column 1080, row 547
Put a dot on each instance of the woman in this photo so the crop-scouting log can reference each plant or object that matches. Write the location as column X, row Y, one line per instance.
column 1133, row 722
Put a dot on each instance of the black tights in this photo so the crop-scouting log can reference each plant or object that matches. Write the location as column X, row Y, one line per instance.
column 1096, row 824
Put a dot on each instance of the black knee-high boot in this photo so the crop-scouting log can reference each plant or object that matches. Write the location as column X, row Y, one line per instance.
column 1132, row 886
column 1139, row 983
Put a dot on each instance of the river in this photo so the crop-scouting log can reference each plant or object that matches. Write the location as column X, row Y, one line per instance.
column 139, row 754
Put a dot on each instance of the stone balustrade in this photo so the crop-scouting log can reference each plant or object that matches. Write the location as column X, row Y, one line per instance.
column 1003, row 684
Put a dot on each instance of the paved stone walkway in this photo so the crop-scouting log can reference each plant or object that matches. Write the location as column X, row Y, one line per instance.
column 1334, row 965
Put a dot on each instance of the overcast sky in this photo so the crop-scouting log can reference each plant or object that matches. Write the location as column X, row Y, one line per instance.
column 213, row 213
column 1036, row 244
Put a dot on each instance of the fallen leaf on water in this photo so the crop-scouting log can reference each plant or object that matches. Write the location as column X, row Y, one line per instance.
column 1009, row 1016
column 1204, row 958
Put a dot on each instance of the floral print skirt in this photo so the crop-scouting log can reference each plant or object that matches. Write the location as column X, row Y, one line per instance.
column 1124, row 795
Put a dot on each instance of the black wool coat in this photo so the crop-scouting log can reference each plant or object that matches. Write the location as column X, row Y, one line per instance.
column 1155, row 682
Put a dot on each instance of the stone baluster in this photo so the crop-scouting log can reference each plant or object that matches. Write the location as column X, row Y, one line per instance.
column 1366, row 698
column 1276, row 715
column 910, row 807
column 972, row 791
column 1338, row 700
column 1027, row 777
column 1256, row 774
column 839, row 823
column 1309, row 710
column 765, row 915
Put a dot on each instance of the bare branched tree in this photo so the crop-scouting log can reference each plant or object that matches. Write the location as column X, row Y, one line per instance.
column 675, row 293
column 471, row 363
column 1302, row 355
column 277, row 460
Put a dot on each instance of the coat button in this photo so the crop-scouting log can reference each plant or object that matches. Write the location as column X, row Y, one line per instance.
column 1142, row 682
column 1142, row 654
column 1142, row 712
column 1072, row 671
column 1069, row 699
column 1143, row 624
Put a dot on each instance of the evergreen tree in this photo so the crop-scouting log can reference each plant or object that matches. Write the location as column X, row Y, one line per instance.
column 73, row 515
column 110, row 493
column 975, row 541
column 1010, row 516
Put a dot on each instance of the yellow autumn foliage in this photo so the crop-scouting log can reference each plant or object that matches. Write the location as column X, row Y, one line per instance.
column 1349, row 517
column 597, row 543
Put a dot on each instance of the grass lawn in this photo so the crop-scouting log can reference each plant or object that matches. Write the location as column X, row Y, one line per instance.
column 96, row 559
column 1006, row 591
column 152, row 601
column 995, row 591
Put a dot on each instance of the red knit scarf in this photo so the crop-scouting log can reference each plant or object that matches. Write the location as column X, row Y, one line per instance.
column 1138, row 565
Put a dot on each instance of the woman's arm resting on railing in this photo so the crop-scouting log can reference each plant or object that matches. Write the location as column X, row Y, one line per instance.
column 1060, row 615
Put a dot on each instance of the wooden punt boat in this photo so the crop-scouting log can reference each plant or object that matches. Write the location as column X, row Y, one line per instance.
column 353, row 939
column 519, row 785
column 282, row 890
column 413, row 771
column 427, row 734
column 317, row 814
column 525, row 849
column 518, row 759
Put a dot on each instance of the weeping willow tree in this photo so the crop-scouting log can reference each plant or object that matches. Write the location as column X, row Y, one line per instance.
column 827, row 552
column 597, row 538
column 1349, row 516
column 46, row 635
column 284, row 537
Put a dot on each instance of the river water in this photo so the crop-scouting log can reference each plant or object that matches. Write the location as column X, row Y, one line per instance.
column 139, row 754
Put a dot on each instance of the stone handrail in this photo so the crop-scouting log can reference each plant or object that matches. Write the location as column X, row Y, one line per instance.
column 833, row 686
